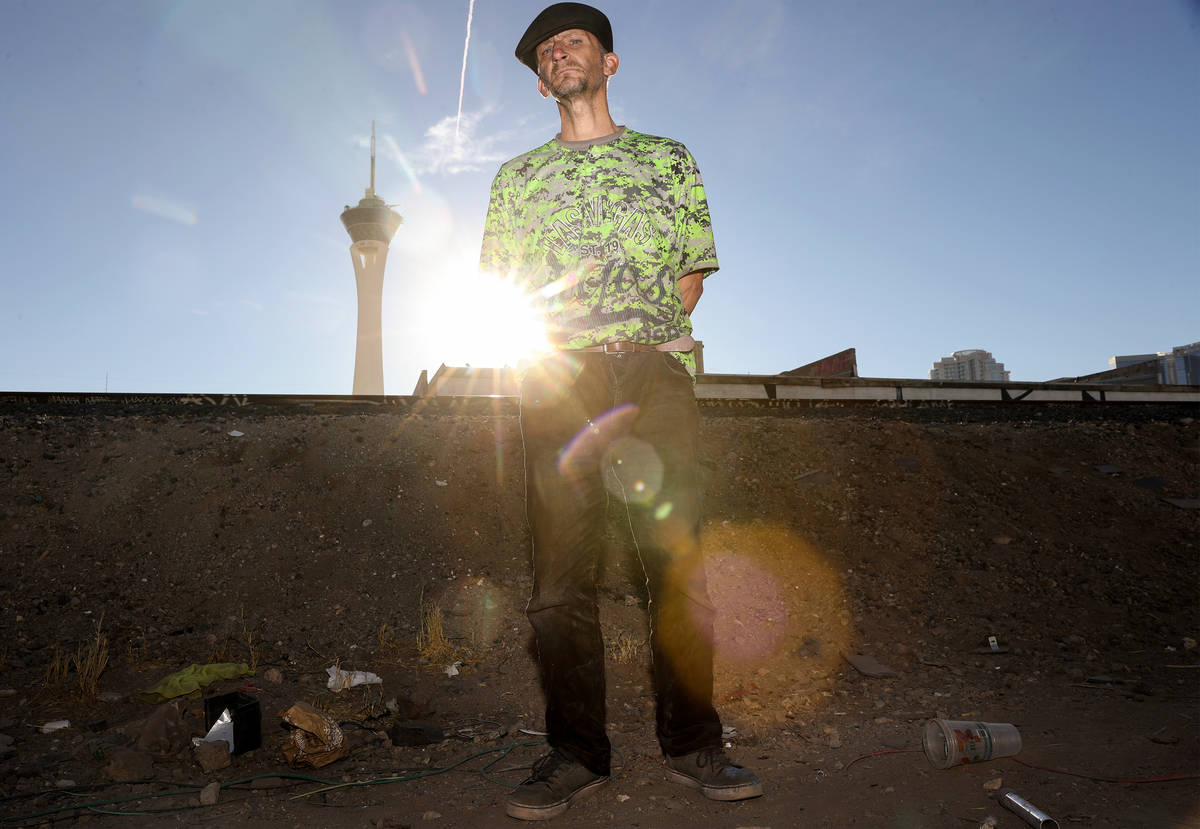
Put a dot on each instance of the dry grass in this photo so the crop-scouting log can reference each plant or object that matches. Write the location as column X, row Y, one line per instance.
column 623, row 647
column 433, row 646
column 75, row 677
column 391, row 647
column 234, row 649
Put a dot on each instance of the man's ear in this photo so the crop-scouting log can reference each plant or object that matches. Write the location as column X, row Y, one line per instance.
column 542, row 88
column 611, row 62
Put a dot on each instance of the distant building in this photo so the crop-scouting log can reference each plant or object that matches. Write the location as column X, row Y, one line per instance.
column 1179, row 368
column 973, row 365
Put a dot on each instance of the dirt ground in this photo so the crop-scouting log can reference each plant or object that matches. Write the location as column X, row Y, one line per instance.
column 294, row 538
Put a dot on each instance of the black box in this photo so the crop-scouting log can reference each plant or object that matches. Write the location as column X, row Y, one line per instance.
column 247, row 719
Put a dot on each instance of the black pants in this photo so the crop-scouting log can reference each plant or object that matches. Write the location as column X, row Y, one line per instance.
column 595, row 426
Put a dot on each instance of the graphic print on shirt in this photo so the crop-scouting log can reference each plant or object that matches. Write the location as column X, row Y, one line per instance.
column 602, row 232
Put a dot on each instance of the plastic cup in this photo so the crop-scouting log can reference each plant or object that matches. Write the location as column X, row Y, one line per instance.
column 950, row 743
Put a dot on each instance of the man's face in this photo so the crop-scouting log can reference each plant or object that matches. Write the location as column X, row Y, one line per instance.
column 573, row 63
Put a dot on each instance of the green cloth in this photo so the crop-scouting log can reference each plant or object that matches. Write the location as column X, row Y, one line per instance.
column 192, row 678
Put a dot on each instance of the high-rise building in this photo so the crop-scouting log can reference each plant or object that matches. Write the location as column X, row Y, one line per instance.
column 1179, row 368
column 371, row 226
column 973, row 365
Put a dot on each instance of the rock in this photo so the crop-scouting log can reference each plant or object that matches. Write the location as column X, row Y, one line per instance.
column 431, row 815
column 273, row 675
column 212, row 755
column 164, row 733
column 994, row 785
column 210, row 794
column 126, row 765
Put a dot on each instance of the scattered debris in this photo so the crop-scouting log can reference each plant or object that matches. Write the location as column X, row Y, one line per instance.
column 165, row 732
column 236, row 434
column 212, row 755
column 210, row 794
column 315, row 740
column 415, row 733
column 868, row 666
column 55, row 725
column 340, row 680
column 815, row 477
column 452, row 670
column 192, row 678
column 236, row 719
column 949, row 743
column 1026, row 811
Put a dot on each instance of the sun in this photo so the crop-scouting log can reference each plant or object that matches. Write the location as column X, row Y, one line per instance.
column 495, row 322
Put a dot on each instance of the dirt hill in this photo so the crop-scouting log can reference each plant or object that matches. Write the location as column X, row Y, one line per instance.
column 1021, row 564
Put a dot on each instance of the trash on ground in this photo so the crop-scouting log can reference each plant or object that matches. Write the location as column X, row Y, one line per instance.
column 452, row 670
column 55, row 725
column 868, row 666
column 415, row 733
column 992, row 645
column 243, row 715
column 221, row 732
column 236, row 434
column 949, row 743
column 315, row 740
column 816, row 477
column 340, row 680
column 191, row 679
column 1026, row 811
column 1184, row 503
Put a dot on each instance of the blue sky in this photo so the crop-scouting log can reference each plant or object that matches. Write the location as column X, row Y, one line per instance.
column 905, row 177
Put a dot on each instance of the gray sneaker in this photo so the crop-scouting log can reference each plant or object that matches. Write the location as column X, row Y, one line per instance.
column 556, row 780
column 710, row 771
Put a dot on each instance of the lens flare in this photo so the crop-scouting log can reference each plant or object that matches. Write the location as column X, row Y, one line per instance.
column 633, row 471
column 775, row 595
column 586, row 453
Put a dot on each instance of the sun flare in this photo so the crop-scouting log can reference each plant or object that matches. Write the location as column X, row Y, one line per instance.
column 496, row 323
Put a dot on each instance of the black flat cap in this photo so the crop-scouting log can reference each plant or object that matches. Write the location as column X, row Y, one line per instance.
column 559, row 18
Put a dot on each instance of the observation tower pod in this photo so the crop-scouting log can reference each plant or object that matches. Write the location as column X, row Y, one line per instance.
column 371, row 226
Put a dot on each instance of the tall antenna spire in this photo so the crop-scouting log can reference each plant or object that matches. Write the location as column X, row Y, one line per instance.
column 371, row 191
column 371, row 226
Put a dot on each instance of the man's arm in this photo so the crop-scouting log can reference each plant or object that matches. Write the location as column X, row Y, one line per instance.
column 691, row 285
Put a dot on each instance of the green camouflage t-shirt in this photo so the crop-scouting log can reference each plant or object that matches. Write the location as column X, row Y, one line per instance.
column 599, row 232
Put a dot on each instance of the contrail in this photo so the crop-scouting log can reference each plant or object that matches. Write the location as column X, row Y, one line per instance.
column 462, row 82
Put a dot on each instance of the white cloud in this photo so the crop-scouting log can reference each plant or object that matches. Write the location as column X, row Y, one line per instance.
column 452, row 146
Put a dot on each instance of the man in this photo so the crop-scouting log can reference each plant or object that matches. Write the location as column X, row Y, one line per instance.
column 609, row 229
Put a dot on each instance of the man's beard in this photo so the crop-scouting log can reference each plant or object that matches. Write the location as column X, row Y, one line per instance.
column 569, row 87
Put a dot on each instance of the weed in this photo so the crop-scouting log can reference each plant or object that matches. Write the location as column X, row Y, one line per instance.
column 624, row 647
column 391, row 648
column 434, row 647
column 76, row 676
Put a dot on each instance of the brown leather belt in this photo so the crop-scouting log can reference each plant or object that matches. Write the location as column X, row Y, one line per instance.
column 619, row 347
